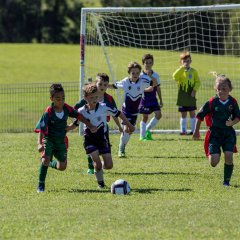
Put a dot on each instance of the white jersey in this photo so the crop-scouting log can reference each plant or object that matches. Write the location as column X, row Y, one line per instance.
column 97, row 117
column 133, row 92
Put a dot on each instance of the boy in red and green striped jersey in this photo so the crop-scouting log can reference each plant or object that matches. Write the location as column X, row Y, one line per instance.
column 221, row 113
column 52, row 128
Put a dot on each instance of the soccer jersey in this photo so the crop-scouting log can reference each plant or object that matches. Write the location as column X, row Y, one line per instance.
column 188, row 81
column 133, row 92
column 107, row 99
column 217, row 112
column 52, row 125
column 149, row 99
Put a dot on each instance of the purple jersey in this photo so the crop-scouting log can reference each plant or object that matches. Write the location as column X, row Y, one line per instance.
column 149, row 99
column 133, row 92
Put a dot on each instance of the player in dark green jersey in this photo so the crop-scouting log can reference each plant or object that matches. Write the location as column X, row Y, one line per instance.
column 221, row 113
column 52, row 128
column 102, row 81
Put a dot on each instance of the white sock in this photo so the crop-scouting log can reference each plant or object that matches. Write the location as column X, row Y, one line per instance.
column 99, row 175
column 123, row 141
column 192, row 122
column 183, row 124
column 152, row 123
column 142, row 129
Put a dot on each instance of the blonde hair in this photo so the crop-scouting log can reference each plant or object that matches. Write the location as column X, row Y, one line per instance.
column 89, row 89
column 221, row 78
column 185, row 54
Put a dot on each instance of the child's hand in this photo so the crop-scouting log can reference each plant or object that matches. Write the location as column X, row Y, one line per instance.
column 161, row 104
column 40, row 147
column 229, row 123
column 93, row 129
column 196, row 136
column 193, row 93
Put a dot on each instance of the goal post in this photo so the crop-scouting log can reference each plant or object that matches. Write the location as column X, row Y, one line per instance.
column 110, row 38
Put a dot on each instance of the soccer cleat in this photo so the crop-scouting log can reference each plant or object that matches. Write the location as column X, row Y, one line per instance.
column 90, row 171
column 190, row 133
column 226, row 184
column 148, row 135
column 101, row 184
column 142, row 139
column 183, row 133
column 41, row 187
column 121, row 154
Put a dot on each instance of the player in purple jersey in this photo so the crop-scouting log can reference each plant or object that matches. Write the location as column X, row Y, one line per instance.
column 221, row 113
column 52, row 128
column 149, row 102
column 133, row 87
column 97, row 144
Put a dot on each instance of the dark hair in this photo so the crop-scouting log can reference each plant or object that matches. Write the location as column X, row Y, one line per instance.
column 133, row 65
column 89, row 89
column 102, row 76
column 146, row 57
column 55, row 88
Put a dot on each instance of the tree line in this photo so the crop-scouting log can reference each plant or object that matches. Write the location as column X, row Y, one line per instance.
column 58, row 21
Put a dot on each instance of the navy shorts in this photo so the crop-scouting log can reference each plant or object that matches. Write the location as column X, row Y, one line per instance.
column 149, row 110
column 92, row 145
column 186, row 109
column 131, row 118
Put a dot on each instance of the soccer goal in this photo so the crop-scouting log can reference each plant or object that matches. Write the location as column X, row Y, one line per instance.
column 112, row 37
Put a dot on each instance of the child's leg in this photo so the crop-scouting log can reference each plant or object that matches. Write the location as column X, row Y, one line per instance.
column 183, row 122
column 214, row 159
column 43, row 173
column 124, row 138
column 228, row 167
column 154, row 120
column 192, row 120
column 107, row 159
column 143, row 126
column 97, row 168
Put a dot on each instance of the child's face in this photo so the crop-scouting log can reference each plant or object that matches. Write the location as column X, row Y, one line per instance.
column 134, row 74
column 186, row 62
column 148, row 63
column 92, row 99
column 58, row 100
column 102, row 85
column 222, row 90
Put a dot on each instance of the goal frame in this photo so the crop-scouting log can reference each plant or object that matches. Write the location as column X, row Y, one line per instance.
column 85, row 11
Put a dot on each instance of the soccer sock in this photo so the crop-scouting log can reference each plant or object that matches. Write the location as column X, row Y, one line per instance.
column 42, row 173
column 53, row 164
column 123, row 141
column 228, row 169
column 152, row 123
column 90, row 162
column 99, row 175
column 192, row 123
column 142, row 129
column 183, row 124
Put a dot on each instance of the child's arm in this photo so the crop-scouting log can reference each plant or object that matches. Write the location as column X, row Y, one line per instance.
column 111, row 86
column 149, row 89
column 159, row 95
column 196, row 133
column 116, row 120
column 230, row 122
column 126, row 122
column 178, row 73
column 40, row 147
column 72, row 126
column 82, row 119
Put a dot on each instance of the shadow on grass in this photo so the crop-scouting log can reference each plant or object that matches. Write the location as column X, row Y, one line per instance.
column 178, row 157
column 152, row 173
column 150, row 190
column 175, row 139
column 89, row 190
column 236, row 186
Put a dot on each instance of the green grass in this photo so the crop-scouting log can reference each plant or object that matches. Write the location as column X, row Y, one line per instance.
column 175, row 193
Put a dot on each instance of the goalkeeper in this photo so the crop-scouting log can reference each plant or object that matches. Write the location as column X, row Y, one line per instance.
column 188, row 84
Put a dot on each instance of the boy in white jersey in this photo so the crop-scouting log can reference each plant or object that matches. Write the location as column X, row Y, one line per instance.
column 149, row 102
column 133, row 87
column 96, row 144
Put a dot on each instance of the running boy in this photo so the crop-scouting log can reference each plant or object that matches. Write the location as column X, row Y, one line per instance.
column 102, row 81
column 133, row 87
column 52, row 127
column 149, row 102
column 221, row 113
column 97, row 144
column 188, row 84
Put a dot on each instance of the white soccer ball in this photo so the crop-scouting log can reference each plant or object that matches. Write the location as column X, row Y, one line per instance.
column 120, row 187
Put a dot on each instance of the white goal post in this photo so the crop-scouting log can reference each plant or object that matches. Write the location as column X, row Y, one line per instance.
column 110, row 38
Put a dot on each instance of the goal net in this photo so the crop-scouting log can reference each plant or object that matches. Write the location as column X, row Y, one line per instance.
column 113, row 37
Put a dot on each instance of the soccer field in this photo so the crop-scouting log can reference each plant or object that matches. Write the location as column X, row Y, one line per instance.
column 175, row 193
